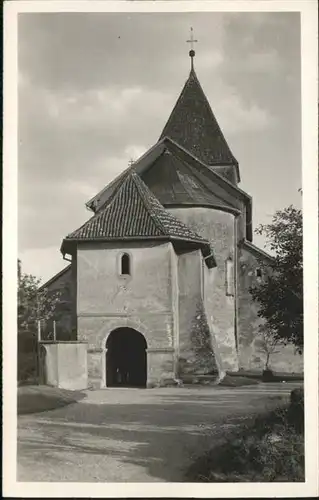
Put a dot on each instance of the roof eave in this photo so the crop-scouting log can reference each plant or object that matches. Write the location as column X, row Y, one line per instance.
column 69, row 244
column 130, row 238
column 254, row 249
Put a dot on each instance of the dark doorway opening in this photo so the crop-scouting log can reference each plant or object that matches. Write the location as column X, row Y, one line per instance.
column 126, row 359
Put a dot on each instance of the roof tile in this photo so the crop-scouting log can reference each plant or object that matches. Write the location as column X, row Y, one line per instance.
column 134, row 212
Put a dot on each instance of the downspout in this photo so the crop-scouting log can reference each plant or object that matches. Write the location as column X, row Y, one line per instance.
column 236, row 268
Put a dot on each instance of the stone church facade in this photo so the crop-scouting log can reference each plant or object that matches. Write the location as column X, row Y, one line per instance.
column 160, row 275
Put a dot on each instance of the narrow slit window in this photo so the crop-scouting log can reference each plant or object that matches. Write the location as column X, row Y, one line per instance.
column 229, row 277
column 125, row 265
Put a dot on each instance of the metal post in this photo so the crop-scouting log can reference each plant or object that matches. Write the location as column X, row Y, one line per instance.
column 38, row 352
column 39, row 330
column 54, row 331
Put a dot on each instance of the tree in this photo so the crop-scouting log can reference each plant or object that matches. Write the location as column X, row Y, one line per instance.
column 268, row 344
column 33, row 303
column 280, row 293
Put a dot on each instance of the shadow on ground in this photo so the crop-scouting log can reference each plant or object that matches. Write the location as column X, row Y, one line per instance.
column 130, row 442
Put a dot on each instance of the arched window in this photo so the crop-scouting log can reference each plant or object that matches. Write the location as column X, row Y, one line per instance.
column 125, row 264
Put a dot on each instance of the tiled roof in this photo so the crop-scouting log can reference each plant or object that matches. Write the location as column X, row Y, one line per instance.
column 133, row 212
column 175, row 177
column 192, row 124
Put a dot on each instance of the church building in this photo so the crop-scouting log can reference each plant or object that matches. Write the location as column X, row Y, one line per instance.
column 160, row 274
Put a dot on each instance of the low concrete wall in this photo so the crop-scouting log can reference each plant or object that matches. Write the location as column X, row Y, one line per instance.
column 65, row 365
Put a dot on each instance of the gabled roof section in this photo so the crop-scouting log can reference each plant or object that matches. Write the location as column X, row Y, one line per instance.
column 258, row 252
column 142, row 165
column 174, row 182
column 134, row 213
column 193, row 125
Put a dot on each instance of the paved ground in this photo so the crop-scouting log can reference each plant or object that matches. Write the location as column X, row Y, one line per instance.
column 132, row 435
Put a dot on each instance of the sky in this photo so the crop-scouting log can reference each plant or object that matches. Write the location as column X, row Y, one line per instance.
column 96, row 89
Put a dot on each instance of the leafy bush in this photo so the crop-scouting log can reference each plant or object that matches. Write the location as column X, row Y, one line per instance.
column 296, row 409
column 27, row 365
column 269, row 448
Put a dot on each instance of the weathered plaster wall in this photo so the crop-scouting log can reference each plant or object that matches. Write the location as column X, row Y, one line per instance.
column 251, row 356
column 175, row 308
column 219, row 228
column 143, row 301
column 194, row 353
column 73, row 297
column 189, row 286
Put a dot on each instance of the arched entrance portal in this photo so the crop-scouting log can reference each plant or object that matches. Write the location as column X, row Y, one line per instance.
column 126, row 358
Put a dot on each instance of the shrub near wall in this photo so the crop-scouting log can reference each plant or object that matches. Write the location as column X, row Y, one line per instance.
column 27, row 366
column 201, row 358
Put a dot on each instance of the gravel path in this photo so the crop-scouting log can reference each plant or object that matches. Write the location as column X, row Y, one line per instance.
column 132, row 435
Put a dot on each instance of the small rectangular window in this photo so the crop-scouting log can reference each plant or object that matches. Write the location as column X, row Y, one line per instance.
column 259, row 273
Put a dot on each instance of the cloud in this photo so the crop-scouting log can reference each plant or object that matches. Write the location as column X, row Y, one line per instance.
column 51, row 209
column 236, row 116
column 208, row 60
column 262, row 62
column 43, row 262
column 105, row 49
column 95, row 90
column 63, row 135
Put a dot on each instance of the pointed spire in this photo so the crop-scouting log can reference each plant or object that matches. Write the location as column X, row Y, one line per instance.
column 193, row 125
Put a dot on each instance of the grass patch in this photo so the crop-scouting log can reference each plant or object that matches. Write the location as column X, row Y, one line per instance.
column 33, row 399
column 237, row 381
column 270, row 447
column 276, row 376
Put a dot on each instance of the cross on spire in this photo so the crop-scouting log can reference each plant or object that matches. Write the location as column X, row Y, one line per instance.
column 131, row 161
column 192, row 51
